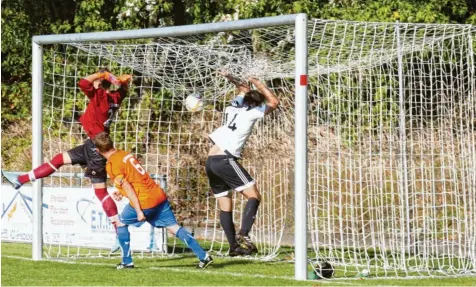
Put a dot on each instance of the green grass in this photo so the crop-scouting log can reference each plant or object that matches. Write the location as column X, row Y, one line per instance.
column 19, row 270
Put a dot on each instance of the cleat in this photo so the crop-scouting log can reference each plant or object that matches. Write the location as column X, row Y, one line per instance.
column 239, row 251
column 12, row 179
column 124, row 266
column 116, row 247
column 205, row 262
column 246, row 243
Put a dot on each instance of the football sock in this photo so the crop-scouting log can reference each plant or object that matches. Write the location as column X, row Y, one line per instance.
column 249, row 215
column 191, row 243
column 43, row 170
column 152, row 244
column 107, row 202
column 125, row 242
column 226, row 220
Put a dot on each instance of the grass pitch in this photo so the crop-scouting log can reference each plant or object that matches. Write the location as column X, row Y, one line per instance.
column 19, row 270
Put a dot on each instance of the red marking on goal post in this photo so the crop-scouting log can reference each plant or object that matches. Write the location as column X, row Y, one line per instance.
column 303, row 80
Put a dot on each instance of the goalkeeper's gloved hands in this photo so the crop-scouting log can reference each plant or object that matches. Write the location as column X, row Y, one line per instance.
column 124, row 79
column 109, row 77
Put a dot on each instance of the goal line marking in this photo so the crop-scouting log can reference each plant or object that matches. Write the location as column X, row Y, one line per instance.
column 181, row 270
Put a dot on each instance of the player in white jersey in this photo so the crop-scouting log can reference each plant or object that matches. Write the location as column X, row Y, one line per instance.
column 224, row 171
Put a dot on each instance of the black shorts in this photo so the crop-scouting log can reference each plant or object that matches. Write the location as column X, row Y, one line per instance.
column 225, row 173
column 87, row 156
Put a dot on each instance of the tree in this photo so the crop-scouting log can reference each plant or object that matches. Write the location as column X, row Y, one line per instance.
column 21, row 19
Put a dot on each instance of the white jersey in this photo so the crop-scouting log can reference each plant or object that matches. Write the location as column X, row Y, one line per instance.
column 238, row 124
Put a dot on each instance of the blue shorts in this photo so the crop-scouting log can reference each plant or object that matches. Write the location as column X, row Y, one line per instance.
column 159, row 216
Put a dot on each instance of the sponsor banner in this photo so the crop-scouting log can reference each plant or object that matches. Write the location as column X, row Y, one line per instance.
column 71, row 216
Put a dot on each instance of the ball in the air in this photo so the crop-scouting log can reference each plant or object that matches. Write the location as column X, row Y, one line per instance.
column 194, row 102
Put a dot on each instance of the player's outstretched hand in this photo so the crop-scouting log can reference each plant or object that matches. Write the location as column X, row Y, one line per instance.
column 243, row 88
column 140, row 216
column 253, row 80
column 229, row 76
column 240, row 85
column 223, row 73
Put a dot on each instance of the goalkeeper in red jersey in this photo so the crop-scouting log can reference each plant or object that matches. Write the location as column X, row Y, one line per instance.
column 99, row 114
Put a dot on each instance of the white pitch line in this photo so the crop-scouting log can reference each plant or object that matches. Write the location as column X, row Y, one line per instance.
column 332, row 282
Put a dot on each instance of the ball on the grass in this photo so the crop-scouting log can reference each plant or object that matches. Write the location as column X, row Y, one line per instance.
column 194, row 102
column 365, row 273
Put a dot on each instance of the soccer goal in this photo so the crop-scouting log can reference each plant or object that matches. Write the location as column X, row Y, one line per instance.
column 374, row 170
column 168, row 64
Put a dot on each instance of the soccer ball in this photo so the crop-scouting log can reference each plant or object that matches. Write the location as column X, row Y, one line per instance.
column 194, row 102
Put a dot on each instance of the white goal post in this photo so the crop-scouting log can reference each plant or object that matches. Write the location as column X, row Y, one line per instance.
column 300, row 90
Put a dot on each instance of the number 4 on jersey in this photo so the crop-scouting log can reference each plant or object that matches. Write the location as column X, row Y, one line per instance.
column 230, row 126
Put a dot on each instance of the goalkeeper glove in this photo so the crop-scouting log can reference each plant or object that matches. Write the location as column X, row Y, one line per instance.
column 109, row 77
column 124, row 79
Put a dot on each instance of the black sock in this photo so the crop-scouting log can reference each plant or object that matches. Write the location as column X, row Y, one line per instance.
column 249, row 215
column 226, row 220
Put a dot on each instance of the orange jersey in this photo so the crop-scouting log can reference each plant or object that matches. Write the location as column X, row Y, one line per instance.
column 124, row 166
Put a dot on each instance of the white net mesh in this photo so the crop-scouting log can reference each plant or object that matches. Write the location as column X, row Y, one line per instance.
column 392, row 171
column 154, row 124
column 391, row 180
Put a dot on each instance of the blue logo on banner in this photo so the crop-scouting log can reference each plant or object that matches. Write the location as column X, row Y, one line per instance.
column 28, row 201
column 98, row 219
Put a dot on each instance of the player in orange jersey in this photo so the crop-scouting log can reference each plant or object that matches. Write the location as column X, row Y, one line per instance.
column 147, row 201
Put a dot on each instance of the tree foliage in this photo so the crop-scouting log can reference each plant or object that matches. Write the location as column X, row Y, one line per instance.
column 22, row 19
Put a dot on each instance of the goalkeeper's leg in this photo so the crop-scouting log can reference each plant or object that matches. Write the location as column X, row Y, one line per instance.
column 96, row 171
column 108, row 204
column 44, row 170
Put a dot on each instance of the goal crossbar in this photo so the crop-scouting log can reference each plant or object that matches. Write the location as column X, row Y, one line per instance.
column 169, row 31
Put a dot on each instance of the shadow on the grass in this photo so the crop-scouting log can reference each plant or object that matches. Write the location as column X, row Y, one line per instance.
column 214, row 265
column 230, row 263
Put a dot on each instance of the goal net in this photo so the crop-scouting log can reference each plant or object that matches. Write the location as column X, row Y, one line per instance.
column 391, row 138
column 172, row 142
column 392, row 148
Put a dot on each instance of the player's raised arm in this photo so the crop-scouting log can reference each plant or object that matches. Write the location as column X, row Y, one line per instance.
column 103, row 78
column 272, row 101
column 240, row 85
column 96, row 76
column 124, row 81
column 86, row 84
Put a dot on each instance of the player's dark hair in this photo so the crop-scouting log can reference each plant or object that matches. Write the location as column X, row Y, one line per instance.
column 103, row 142
column 253, row 97
column 105, row 83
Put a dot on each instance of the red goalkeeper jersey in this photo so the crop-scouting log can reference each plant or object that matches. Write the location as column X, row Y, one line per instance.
column 101, row 108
